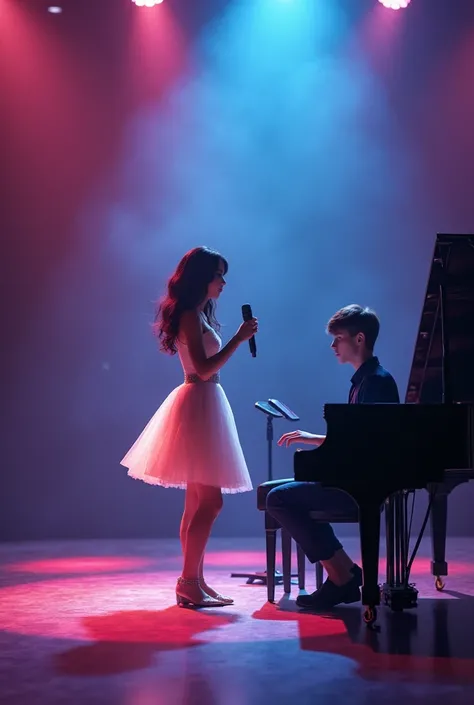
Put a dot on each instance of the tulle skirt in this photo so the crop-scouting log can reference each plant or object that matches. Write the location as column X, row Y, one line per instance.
column 192, row 438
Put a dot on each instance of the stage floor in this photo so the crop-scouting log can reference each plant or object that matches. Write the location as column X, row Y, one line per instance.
column 95, row 622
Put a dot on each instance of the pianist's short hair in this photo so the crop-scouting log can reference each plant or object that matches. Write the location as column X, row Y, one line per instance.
column 356, row 319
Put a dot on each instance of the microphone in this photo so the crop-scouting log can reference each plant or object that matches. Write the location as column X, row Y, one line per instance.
column 247, row 315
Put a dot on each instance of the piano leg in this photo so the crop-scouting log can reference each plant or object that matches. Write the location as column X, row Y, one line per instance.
column 439, row 493
column 389, row 541
column 369, row 524
column 438, row 522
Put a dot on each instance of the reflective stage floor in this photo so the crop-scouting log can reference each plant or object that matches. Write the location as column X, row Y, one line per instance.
column 95, row 622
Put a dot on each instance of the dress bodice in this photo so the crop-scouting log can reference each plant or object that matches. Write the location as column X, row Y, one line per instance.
column 212, row 344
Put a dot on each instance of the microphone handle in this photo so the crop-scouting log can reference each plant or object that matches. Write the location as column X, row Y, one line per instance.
column 253, row 346
column 247, row 315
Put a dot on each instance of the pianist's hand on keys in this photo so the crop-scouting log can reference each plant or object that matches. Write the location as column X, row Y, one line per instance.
column 310, row 439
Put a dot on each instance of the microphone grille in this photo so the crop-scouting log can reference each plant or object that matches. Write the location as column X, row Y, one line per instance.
column 246, row 312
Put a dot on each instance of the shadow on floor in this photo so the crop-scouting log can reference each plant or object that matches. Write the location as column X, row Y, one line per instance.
column 432, row 641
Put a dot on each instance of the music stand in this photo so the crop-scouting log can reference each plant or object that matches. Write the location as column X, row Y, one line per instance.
column 273, row 409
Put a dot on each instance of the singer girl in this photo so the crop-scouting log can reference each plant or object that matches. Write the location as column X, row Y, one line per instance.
column 191, row 442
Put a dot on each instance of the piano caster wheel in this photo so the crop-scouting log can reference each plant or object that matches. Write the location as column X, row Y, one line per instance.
column 370, row 615
column 439, row 584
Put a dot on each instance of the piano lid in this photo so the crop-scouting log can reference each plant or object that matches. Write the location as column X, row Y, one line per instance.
column 452, row 264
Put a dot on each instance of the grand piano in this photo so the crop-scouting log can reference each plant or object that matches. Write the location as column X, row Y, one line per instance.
column 379, row 453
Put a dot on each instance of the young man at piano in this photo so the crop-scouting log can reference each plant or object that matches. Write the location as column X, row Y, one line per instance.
column 354, row 331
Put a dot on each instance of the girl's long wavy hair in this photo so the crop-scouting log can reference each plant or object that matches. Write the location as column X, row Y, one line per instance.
column 187, row 289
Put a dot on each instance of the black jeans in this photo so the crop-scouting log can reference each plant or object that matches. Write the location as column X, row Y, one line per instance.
column 291, row 505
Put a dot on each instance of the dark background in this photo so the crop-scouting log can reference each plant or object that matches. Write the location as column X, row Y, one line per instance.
column 319, row 145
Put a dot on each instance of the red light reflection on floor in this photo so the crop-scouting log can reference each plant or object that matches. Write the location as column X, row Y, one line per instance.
column 251, row 560
column 309, row 624
column 422, row 567
column 83, row 564
column 236, row 559
column 172, row 626
column 132, row 607
column 331, row 634
column 128, row 640
column 255, row 560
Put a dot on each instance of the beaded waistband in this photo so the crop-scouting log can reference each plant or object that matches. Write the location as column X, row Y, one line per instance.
column 195, row 379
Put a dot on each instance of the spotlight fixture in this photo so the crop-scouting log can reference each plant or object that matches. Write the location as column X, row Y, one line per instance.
column 147, row 3
column 55, row 9
column 395, row 4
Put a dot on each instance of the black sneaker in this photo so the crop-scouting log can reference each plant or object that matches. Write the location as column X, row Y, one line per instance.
column 329, row 594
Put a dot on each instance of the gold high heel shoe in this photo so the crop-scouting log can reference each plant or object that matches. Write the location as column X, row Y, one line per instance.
column 222, row 598
column 185, row 599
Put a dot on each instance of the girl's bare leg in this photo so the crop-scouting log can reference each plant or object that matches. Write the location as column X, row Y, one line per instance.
column 203, row 504
column 190, row 504
column 207, row 588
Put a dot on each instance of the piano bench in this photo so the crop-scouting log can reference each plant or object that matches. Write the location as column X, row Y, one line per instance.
column 271, row 528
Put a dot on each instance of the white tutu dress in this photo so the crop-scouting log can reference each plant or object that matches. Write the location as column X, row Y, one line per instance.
column 192, row 438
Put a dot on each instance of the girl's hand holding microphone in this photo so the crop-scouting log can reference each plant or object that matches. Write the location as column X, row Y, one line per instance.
column 247, row 329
